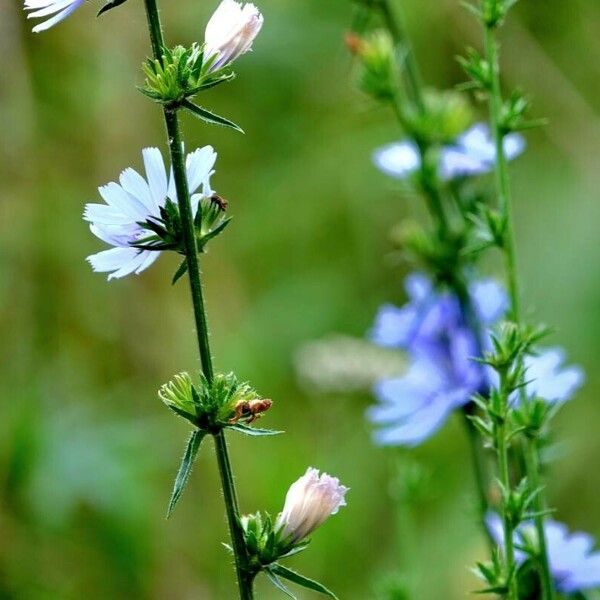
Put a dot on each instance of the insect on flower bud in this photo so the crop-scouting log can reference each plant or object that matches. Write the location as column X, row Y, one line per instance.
column 250, row 410
column 308, row 503
column 230, row 32
column 354, row 43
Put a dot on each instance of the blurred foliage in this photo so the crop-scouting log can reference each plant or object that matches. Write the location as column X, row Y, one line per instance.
column 88, row 453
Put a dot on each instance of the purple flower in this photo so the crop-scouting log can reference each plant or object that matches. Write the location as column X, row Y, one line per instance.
column 442, row 375
column 574, row 565
column 548, row 379
column 473, row 153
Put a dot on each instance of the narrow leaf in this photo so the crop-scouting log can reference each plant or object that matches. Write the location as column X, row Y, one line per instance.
column 278, row 584
column 109, row 5
column 181, row 271
column 209, row 117
column 253, row 430
column 185, row 468
column 290, row 575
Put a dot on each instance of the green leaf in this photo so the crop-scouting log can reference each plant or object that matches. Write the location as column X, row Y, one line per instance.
column 110, row 5
column 181, row 271
column 241, row 428
column 185, row 468
column 290, row 575
column 278, row 584
column 209, row 117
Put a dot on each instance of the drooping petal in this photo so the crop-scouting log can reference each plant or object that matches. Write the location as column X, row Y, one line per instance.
column 63, row 8
column 120, row 262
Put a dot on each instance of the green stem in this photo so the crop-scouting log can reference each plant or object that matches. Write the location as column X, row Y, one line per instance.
column 501, row 171
column 433, row 197
column 193, row 269
column 245, row 577
column 505, row 207
column 410, row 71
column 509, row 550
column 189, row 239
column 533, row 469
column 479, row 470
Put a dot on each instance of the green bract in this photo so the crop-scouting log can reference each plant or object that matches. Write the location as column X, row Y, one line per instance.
column 181, row 74
column 266, row 544
column 378, row 73
column 166, row 232
column 209, row 406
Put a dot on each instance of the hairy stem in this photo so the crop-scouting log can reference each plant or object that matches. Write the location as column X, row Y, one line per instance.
column 411, row 70
column 532, row 463
column 480, row 470
column 505, row 206
column 509, row 550
column 193, row 270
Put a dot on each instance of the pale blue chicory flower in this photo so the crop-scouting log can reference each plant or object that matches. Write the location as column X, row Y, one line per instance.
column 473, row 153
column 134, row 200
column 574, row 564
column 442, row 374
column 59, row 9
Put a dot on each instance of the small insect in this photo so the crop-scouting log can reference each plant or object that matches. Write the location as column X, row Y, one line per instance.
column 220, row 202
column 250, row 410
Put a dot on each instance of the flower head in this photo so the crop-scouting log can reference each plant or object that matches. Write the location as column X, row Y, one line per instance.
column 59, row 9
column 230, row 32
column 473, row 153
column 135, row 200
column 442, row 374
column 308, row 503
column 573, row 563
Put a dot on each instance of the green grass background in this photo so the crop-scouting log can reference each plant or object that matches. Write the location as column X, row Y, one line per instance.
column 88, row 453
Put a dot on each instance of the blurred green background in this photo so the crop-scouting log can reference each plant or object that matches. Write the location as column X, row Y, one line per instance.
column 88, row 453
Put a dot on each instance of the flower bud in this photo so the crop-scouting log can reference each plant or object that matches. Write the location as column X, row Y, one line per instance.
column 377, row 75
column 308, row 503
column 230, row 32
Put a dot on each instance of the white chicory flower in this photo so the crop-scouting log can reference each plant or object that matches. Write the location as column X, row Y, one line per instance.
column 308, row 503
column 473, row 153
column 134, row 200
column 59, row 9
column 230, row 32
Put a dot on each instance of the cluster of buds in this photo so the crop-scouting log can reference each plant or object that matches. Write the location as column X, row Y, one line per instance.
column 224, row 402
column 180, row 74
column 211, row 407
column 511, row 344
column 443, row 116
column 378, row 64
column 311, row 500
column 492, row 12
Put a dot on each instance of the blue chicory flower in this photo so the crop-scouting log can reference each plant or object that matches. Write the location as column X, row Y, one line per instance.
column 574, row 565
column 473, row 153
column 442, row 375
